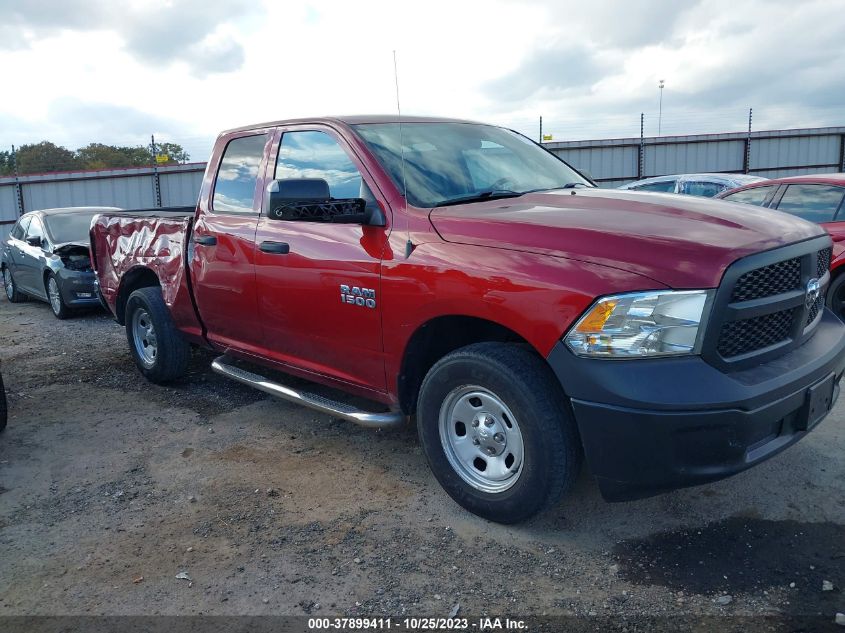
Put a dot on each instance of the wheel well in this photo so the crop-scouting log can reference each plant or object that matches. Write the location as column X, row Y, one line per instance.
column 132, row 280
column 438, row 337
column 835, row 275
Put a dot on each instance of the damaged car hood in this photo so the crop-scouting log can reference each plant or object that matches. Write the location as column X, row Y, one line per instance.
column 680, row 241
column 71, row 248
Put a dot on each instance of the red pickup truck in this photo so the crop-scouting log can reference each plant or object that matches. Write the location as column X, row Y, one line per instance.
column 459, row 273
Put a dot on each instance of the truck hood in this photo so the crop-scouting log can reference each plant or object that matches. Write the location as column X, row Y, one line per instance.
column 679, row 241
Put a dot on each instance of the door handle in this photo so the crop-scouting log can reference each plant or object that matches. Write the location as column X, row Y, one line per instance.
column 205, row 240
column 279, row 248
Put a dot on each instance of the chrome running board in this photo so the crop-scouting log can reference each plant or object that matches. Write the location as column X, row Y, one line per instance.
column 310, row 400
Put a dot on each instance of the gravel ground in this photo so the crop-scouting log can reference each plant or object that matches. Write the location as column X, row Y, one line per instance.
column 110, row 487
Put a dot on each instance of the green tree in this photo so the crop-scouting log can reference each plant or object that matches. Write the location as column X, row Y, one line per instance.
column 45, row 157
column 7, row 163
column 100, row 156
column 174, row 152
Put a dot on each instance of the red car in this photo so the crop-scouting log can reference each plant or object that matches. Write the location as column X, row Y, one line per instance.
column 459, row 273
column 819, row 198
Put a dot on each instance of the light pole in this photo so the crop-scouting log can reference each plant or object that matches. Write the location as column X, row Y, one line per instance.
column 660, row 111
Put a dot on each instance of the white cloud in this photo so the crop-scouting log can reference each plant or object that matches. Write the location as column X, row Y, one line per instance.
column 89, row 70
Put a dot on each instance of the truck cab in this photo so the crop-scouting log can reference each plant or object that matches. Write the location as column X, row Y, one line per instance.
column 459, row 274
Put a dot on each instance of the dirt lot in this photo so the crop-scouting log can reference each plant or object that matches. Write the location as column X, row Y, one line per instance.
column 271, row 508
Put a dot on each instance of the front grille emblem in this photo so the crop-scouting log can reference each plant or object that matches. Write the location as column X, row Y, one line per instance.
column 814, row 289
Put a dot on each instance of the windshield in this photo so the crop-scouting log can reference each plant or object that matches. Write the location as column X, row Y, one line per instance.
column 69, row 227
column 451, row 162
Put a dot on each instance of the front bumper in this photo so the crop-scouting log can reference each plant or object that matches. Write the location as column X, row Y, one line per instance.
column 652, row 425
column 78, row 288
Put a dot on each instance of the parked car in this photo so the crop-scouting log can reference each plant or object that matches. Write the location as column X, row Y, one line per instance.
column 704, row 185
column 468, row 277
column 819, row 198
column 46, row 257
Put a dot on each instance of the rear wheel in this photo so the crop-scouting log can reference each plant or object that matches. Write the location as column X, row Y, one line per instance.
column 494, row 425
column 102, row 300
column 12, row 292
column 54, row 296
column 157, row 346
column 836, row 296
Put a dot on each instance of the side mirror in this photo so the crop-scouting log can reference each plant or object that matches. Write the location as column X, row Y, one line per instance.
column 34, row 240
column 309, row 200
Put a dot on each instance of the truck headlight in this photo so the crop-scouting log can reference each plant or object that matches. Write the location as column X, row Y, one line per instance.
column 641, row 324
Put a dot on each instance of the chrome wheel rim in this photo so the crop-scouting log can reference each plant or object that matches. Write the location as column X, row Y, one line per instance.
column 481, row 439
column 144, row 337
column 54, row 295
column 8, row 283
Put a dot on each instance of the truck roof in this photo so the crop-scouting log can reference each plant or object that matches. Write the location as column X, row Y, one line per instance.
column 350, row 120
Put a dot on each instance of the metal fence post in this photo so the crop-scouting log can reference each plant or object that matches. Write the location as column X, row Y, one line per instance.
column 641, row 155
column 19, row 196
column 746, row 159
column 18, row 186
column 156, row 181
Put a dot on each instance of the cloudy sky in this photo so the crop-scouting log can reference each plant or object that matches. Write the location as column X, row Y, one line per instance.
column 77, row 71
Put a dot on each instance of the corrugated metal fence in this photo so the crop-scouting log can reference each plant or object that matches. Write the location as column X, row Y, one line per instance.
column 611, row 162
column 131, row 188
column 772, row 154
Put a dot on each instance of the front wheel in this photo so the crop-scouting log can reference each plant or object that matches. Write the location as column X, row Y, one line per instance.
column 157, row 347
column 54, row 295
column 496, row 431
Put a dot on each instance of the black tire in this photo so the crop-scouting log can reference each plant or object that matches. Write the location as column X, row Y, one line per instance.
column 57, row 303
column 12, row 293
column 102, row 300
column 551, row 447
column 169, row 358
column 836, row 296
column 3, row 409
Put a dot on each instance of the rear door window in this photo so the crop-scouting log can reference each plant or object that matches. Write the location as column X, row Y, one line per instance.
column 234, row 189
column 816, row 203
column 756, row 195
column 666, row 186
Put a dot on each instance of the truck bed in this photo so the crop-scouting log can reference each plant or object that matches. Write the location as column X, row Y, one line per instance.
column 151, row 242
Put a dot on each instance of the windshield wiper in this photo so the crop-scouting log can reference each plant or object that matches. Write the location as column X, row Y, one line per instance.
column 569, row 185
column 493, row 194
